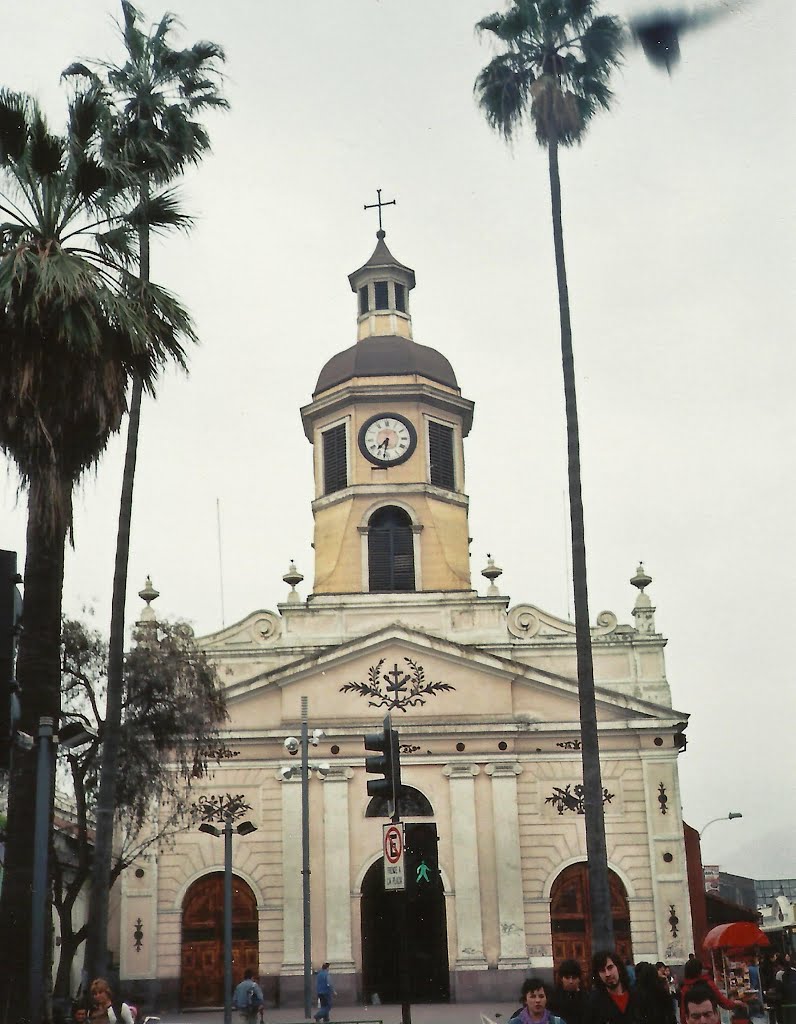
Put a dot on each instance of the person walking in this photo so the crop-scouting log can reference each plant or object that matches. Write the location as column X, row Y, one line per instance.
column 248, row 998
column 325, row 991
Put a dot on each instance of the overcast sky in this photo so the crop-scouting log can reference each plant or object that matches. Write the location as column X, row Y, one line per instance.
column 679, row 230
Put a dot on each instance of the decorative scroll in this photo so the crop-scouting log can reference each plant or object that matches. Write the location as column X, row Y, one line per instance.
column 569, row 744
column 266, row 627
column 674, row 920
column 408, row 748
column 663, row 799
column 526, row 621
column 220, row 808
column 138, row 935
column 570, row 798
column 396, row 690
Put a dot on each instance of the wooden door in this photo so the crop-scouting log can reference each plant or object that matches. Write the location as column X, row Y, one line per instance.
column 570, row 917
column 202, row 961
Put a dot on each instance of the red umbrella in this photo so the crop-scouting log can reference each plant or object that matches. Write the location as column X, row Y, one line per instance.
column 735, row 935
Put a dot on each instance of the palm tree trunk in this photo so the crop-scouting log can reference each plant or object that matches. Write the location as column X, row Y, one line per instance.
column 97, row 942
column 600, row 896
column 39, row 678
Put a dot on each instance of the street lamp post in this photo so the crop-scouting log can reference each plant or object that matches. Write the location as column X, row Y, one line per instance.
column 72, row 734
column 292, row 746
column 722, row 817
column 245, row 828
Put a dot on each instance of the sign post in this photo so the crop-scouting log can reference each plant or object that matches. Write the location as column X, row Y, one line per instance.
column 394, row 874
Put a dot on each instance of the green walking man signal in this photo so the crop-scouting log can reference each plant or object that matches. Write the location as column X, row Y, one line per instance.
column 422, row 872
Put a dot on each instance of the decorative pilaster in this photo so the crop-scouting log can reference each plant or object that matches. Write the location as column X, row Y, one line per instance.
column 469, row 933
column 339, row 944
column 508, row 864
column 292, row 906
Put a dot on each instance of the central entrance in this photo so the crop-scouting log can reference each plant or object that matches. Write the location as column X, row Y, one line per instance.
column 428, row 942
column 570, row 917
column 202, row 973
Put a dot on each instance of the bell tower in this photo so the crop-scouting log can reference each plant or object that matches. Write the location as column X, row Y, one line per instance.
column 387, row 421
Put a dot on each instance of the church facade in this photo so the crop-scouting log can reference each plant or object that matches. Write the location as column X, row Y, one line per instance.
column 484, row 696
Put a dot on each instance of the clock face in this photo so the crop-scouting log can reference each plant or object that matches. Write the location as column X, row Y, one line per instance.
column 387, row 439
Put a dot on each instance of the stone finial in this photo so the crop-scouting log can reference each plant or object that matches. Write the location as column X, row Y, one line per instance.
column 643, row 609
column 293, row 577
column 148, row 594
column 492, row 572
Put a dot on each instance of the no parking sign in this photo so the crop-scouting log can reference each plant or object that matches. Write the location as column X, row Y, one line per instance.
column 393, row 837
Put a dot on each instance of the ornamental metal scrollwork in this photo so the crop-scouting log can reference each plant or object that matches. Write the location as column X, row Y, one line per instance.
column 220, row 808
column 674, row 920
column 408, row 748
column 569, row 744
column 663, row 799
column 396, row 690
column 138, row 935
column 570, row 798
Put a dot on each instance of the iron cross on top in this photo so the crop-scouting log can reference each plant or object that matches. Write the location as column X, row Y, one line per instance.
column 378, row 205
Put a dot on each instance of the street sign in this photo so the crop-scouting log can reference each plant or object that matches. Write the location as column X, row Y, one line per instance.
column 393, row 837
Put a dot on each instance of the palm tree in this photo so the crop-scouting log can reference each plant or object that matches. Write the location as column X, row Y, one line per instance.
column 554, row 69
column 75, row 325
column 153, row 98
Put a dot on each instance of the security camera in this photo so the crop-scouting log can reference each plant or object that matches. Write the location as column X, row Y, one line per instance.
column 316, row 735
column 285, row 773
column 292, row 745
column 323, row 769
column 23, row 740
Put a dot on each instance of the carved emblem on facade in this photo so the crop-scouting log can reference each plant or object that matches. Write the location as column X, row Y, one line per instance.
column 663, row 799
column 408, row 748
column 219, row 808
column 138, row 935
column 569, row 744
column 570, row 798
column 396, row 690
column 674, row 920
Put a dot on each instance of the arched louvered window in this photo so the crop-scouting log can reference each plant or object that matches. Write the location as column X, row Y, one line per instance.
column 391, row 558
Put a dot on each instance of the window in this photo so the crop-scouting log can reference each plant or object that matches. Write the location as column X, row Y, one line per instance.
column 440, row 450
column 400, row 298
column 335, row 471
column 391, row 557
column 363, row 299
column 380, row 294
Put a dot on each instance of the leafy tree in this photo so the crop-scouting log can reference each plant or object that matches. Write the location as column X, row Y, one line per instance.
column 75, row 325
column 153, row 99
column 553, row 73
column 173, row 705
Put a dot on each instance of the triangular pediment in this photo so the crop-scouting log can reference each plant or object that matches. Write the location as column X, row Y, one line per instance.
column 420, row 678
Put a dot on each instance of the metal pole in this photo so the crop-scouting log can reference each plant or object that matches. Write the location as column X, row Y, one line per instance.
column 305, row 858
column 228, row 919
column 41, row 850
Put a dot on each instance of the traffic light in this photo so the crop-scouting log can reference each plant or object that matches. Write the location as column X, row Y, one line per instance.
column 387, row 764
column 10, row 615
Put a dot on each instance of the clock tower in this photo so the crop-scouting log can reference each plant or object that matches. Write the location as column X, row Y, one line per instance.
column 387, row 421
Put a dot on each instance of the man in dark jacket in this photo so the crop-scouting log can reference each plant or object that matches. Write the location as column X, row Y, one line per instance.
column 611, row 1001
column 568, row 1000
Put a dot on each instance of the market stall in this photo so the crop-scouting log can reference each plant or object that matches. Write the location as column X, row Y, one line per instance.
column 734, row 950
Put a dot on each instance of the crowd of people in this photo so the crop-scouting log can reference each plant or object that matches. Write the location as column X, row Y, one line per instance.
column 646, row 993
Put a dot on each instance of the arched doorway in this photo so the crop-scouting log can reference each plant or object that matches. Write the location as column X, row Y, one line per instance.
column 570, row 917
column 428, row 942
column 202, row 973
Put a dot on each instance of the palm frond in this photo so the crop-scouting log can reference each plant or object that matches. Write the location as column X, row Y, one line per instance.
column 14, row 112
column 503, row 92
column 160, row 212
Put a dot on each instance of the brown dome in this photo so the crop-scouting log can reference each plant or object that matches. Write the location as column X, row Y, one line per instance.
column 386, row 356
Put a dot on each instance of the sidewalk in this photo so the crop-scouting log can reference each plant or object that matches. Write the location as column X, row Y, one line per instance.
column 436, row 1013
